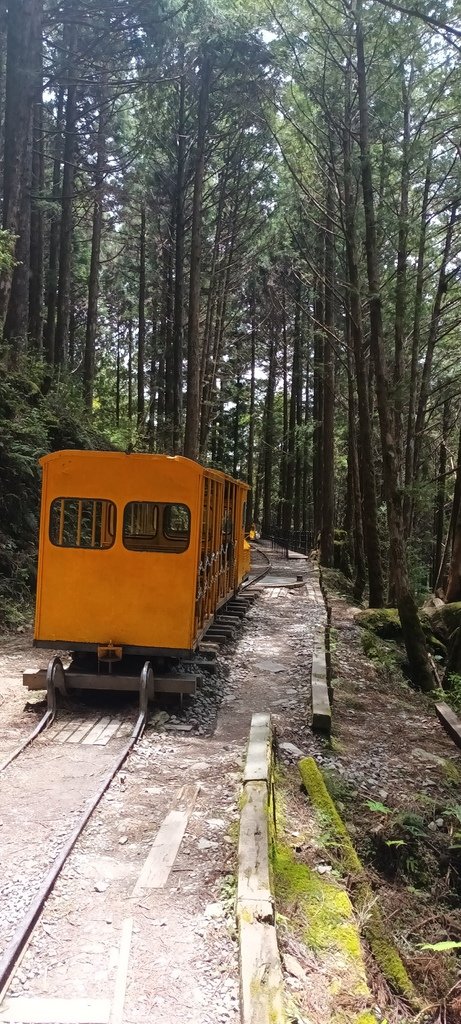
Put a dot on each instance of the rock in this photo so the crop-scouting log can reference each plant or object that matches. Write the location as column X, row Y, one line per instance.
column 206, row 844
column 439, row 822
column 293, row 967
column 178, row 727
column 432, row 826
column 123, row 840
column 214, row 910
column 270, row 666
column 101, row 886
column 445, row 619
column 426, row 755
column 291, row 748
column 384, row 622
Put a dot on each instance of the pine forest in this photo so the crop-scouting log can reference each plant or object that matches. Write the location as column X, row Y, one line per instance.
column 232, row 231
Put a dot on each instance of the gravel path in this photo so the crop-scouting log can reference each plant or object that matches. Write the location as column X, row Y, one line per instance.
column 184, row 956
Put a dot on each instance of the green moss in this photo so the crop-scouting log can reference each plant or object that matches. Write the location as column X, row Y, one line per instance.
column 384, row 622
column 446, row 619
column 315, row 786
column 383, row 949
column 327, row 911
column 451, row 772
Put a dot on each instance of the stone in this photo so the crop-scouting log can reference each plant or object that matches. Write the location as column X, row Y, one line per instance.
column 214, row 910
column 291, row 748
column 293, row 967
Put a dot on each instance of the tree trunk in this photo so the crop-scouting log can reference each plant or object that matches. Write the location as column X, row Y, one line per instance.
column 413, row 635
column 318, row 391
column 326, row 556
column 93, row 283
column 22, row 87
column 53, row 259
column 178, row 311
column 268, row 441
column 401, row 273
column 192, row 432
column 251, row 415
column 67, row 202
column 439, row 504
column 415, row 342
column 453, row 591
column 141, row 315
column 17, row 320
column 36, row 231
column 432, row 340
column 369, row 506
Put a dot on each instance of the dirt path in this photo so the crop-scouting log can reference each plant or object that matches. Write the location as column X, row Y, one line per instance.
column 184, row 959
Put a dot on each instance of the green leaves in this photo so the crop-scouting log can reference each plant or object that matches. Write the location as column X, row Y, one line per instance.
column 440, row 947
column 375, row 805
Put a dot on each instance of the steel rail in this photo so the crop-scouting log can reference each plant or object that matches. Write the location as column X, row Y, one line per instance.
column 55, row 667
column 259, row 576
column 24, row 931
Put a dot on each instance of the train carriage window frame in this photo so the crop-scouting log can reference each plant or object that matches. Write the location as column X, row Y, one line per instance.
column 85, row 518
column 164, row 540
column 133, row 514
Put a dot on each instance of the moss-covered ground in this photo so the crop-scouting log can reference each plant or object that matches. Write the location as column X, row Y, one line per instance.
column 396, row 779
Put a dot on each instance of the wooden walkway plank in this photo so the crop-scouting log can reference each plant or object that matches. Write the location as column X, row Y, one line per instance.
column 83, row 730
column 159, row 862
column 257, row 765
column 261, row 979
column 108, row 732
column 321, row 708
column 95, row 733
column 253, row 849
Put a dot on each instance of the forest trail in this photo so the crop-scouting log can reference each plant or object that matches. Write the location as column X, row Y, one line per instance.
column 183, row 961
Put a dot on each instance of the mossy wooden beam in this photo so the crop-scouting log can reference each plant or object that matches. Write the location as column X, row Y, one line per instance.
column 261, row 980
column 363, row 898
column 321, row 710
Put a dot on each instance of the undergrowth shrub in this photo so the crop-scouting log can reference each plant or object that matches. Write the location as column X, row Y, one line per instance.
column 36, row 417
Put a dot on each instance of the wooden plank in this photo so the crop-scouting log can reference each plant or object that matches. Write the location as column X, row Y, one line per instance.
column 450, row 722
column 253, row 881
column 321, row 710
column 259, row 750
column 94, row 734
column 163, row 853
column 83, row 730
column 47, row 1010
column 261, row 979
column 118, row 1001
column 108, row 732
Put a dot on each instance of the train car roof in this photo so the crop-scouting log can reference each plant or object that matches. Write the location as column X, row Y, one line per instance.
column 141, row 456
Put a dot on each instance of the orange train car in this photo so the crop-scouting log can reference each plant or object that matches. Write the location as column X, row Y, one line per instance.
column 136, row 553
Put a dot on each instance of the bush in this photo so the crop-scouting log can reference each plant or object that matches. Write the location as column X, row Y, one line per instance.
column 31, row 425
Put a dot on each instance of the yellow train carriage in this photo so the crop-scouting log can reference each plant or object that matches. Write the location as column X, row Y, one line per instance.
column 136, row 552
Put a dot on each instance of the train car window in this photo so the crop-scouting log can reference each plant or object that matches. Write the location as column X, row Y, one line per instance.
column 140, row 526
column 176, row 525
column 82, row 523
column 227, row 525
column 149, row 526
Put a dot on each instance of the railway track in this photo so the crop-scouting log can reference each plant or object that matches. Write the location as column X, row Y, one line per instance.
column 19, row 761
column 24, row 928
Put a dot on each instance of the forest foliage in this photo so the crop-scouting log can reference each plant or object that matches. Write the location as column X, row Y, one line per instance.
column 232, row 231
